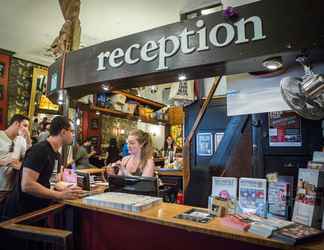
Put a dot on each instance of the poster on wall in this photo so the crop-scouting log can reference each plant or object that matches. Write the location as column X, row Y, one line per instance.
column 94, row 124
column 284, row 129
column 2, row 69
column 204, row 144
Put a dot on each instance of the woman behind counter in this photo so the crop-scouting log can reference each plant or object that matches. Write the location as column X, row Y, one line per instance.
column 112, row 151
column 140, row 161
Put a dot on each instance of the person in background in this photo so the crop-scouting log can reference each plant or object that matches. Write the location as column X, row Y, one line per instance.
column 42, row 124
column 32, row 191
column 112, row 152
column 140, row 161
column 82, row 155
column 35, row 127
column 125, row 149
column 45, row 133
column 169, row 146
column 93, row 158
column 12, row 151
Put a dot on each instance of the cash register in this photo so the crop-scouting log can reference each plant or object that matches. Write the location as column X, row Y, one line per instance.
column 133, row 185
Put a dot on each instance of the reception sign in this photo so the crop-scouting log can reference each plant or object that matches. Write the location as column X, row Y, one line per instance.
column 201, row 46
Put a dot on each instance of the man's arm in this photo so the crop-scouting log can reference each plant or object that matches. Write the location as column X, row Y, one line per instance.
column 30, row 185
column 11, row 163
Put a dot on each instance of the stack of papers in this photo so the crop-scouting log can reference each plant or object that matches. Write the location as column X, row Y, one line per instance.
column 122, row 201
column 265, row 227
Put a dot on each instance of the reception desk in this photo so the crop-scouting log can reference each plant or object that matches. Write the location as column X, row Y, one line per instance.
column 178, row 173
column 157, row 228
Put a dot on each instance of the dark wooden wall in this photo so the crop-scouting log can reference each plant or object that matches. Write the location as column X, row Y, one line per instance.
column 233, row 158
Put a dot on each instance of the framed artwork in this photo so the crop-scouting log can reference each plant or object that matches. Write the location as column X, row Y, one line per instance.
column 204, row 144
column 2, row 69
column 1, row 92
column 218, row 138
column 94, row 124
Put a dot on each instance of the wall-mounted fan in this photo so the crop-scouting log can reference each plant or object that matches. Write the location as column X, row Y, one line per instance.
column 305, row 95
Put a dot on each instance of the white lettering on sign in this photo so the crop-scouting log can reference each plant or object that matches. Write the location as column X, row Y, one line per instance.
column 128, row 54
column 166, row 47
column 148, row 47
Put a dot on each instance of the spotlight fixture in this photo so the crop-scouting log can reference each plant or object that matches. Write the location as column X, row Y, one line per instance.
column 273, row 63
column 182, row 77
column 105, row 87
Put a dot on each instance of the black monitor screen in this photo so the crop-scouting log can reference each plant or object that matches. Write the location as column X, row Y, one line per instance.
column 133, row 184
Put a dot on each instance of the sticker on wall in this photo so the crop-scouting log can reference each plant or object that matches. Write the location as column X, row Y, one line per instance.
column 204, row 144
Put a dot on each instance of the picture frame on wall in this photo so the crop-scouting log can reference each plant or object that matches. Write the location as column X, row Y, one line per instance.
column 1, row 115
column 218, row 138
column 1, row 92
column 204, row 144
column 2, row 69
column 94, row 124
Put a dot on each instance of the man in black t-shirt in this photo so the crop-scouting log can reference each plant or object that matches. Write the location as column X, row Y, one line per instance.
column 33, row 191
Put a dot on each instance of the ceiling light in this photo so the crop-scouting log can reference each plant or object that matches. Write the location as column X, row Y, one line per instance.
column 273, row 63
column 105, row 87
column 182, row 77
column 211, row 10
column 97, row 113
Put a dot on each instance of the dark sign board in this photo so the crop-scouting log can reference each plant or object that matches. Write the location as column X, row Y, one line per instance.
column 199, row 47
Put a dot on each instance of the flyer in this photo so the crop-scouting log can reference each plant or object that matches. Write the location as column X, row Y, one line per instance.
column 284, row 129
column 309, row 202
column 253, row 196
column 225, row 187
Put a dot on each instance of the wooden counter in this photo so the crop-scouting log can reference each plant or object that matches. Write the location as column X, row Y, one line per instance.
column 171, row 173
column 161, row 173
column 92, row 170
column 164, row 215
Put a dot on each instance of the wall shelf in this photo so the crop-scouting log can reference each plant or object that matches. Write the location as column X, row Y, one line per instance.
column 140, row 100
column 121, row 114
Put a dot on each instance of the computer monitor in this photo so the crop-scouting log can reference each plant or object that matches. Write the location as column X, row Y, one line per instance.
column 133, row 184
